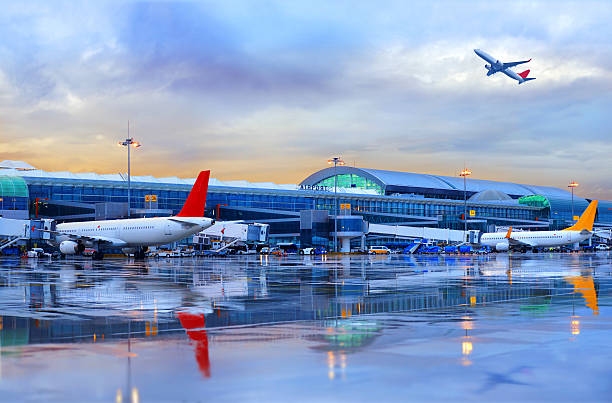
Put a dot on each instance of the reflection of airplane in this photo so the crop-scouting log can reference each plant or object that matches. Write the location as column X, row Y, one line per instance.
column 586, row 287
column 577, row 233
column 496, row 66
column 495, row 379
column 194, row 325
column 137, row 234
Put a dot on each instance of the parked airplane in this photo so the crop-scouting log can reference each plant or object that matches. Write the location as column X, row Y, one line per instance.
column 135, row 235
column 581, row 231
column 496, row 66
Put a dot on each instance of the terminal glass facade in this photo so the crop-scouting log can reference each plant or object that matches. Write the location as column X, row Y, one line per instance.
column 68, row 199
column 351, row 181
column 13, row 193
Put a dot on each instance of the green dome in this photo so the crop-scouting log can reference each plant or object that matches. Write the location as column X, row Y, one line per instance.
column 535, row 200
column 13, row 186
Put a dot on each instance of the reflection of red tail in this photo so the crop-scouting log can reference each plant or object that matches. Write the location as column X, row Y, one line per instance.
column 524, row 74
column 194, row 206
column 190, row 321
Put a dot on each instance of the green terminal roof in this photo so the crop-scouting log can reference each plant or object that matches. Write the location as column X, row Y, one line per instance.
column 13, row 186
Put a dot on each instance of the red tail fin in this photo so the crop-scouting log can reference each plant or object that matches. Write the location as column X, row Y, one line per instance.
column 524, row 74
column 194, row 206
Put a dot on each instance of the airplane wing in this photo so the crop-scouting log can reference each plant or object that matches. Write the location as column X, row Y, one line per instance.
column 87, row 238
column 512, row 64
column 516, row 242
column 184, row 224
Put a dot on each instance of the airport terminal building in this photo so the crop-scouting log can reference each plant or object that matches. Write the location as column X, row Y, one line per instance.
column 303, row 213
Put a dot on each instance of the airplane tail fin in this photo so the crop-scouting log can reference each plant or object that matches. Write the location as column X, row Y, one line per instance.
column 196, row 201
column 509, row 232
column 524, row 74
column 586, row 220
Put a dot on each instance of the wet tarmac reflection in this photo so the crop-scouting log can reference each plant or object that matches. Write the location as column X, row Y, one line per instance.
column 344, row 328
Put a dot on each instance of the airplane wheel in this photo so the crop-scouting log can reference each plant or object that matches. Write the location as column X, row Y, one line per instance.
column 139, row 254
column 97, row 255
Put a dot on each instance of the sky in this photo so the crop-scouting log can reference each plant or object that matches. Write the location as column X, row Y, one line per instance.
column 270, row 90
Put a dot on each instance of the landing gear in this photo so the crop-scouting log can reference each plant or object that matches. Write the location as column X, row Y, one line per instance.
column 139, row 254
column 97, row 255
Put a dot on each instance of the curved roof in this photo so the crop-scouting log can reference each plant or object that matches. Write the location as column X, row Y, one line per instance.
column 13, row 186
column 20, row 165
column 490, row 195
column 395, row 181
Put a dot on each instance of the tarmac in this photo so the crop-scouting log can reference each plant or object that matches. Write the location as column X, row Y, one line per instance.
column 499, row 327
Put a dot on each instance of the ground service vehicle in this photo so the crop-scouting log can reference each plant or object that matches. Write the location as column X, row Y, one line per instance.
column 313, row 251
column 379, row 250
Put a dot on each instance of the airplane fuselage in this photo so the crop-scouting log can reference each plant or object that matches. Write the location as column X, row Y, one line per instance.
column 134, row 232
column 534, row 238
column 494, row 65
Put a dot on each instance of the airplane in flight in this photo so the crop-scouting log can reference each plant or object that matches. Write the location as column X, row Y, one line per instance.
column 135, row 235
column 581, row 231
column 495, row 66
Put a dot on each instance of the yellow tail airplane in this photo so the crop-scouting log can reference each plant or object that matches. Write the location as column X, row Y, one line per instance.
column 581, row 231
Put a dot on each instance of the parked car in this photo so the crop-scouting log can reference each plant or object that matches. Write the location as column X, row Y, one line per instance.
column 601, row 247
column 38, row 252
column 313, row 251
column 379, row 250
column 271, row 251
column 187, row 253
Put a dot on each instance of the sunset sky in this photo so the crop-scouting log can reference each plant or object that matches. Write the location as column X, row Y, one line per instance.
column 269, row 90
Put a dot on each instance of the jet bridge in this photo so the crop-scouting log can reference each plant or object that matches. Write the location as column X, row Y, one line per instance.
column 233, row 230
column 438, row 234
column 14, row 230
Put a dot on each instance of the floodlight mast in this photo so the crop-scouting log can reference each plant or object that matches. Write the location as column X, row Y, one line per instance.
column 465, row 173
column 336, row 161
column 129, row 142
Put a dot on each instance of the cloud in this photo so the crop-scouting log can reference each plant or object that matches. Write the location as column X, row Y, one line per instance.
column 269, row 91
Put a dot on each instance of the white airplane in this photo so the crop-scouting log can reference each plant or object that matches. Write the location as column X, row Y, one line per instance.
column 496, row 66
column 135, row 235
column 581, row 231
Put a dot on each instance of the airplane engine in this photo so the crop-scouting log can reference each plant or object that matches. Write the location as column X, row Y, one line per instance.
column 488, row 67
column 71, row 247
column 502, row 247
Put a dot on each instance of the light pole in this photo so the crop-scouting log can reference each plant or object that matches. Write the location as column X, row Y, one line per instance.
column 465, row 173
column 129, row 142
column 336, row 161
column 572, row 185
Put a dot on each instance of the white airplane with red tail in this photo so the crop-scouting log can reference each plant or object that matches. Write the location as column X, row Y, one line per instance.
column 494, row 66
column 135, row 235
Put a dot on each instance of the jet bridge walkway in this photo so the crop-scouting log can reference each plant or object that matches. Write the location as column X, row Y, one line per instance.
column 438, row 234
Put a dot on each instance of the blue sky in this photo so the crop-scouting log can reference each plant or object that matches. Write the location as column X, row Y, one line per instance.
column 268, row 91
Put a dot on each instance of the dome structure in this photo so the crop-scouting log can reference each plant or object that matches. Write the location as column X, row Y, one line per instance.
column 489, row 195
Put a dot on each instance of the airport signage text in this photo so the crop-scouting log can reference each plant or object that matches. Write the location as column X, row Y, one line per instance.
column 315, row 188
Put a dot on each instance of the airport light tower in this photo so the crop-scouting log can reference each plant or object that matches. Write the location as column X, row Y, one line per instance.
column 572, row 185
column 129, row 142
column 336, row 161
column 465, row 173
